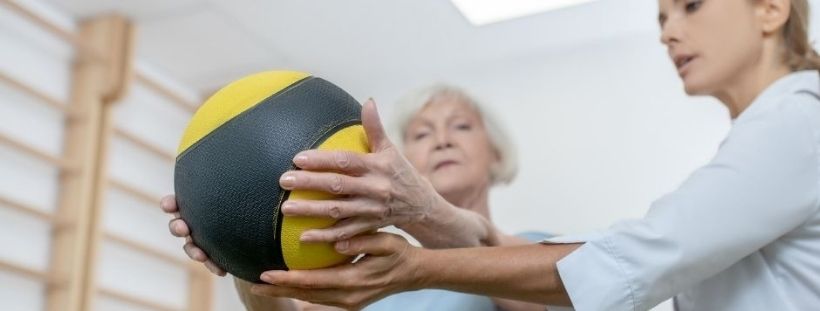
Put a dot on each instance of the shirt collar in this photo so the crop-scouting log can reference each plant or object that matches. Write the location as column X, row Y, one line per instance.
column 799, row 81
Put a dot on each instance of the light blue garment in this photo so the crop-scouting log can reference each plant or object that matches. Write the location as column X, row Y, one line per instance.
column 435, row 299
column 742, row 233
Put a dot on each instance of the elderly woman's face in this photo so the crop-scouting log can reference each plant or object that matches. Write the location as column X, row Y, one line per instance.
column 447, row 142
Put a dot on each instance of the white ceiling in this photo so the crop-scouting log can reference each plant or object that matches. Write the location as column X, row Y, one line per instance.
column 357, row 43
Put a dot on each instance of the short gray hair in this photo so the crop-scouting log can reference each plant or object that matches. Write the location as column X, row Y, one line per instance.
column 409, row 106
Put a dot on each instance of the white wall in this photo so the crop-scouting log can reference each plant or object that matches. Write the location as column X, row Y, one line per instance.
column 42, row 61
column 607, row 129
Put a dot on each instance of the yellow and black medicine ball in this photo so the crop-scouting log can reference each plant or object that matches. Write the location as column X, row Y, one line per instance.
column 230, row 159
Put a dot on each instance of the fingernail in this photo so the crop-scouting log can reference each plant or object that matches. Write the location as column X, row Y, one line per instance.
column 288, row 207
column 287, row 181
column 300, row 159
column 163, row 204
column 266, row 277
column 270, row 276
column 211, row 267
column 342, row 245
column 307, row 237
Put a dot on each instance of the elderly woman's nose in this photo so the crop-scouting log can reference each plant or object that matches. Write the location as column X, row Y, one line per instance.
column 443, row 140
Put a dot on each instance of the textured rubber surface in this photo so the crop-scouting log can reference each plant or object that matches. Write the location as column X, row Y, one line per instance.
column 227, row 183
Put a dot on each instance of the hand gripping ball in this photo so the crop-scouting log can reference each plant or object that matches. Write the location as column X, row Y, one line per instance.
column 230, row 159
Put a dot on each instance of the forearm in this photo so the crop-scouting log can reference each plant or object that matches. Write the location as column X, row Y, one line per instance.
column 448, row 226
column 526, row 273
column 262, row 303
column 510, row 304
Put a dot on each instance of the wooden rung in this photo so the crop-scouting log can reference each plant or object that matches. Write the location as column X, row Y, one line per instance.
column 134, row 192
column 27, row 272
column 54, row 29
column 43, row 97
column 26, row 209
column 145, row 249
column 41, row 22
column 144, row 144
column 34, row 152
column 159, row 88
column 116, row 295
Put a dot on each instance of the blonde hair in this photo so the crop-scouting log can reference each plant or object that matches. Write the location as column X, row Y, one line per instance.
column 411, row 104
column 799, row 54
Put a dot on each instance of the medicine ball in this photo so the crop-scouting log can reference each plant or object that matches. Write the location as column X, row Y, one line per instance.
column 230, row 159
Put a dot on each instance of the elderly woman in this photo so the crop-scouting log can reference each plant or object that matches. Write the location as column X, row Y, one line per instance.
column 458, row 150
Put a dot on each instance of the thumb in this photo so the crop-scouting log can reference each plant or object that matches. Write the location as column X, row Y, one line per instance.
column 373, row 127
column 378, row 244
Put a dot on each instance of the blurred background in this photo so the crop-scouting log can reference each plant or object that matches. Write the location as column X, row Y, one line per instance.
column 88, row 130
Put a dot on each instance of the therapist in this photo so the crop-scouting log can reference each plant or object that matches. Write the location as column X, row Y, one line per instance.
column 741, row 233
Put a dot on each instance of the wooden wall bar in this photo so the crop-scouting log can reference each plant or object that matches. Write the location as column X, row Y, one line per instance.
column 102, row 72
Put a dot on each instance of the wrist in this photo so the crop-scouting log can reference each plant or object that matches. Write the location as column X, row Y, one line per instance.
column 438, row 213
column 447, row 226
column 421, row 276
column 490, row 235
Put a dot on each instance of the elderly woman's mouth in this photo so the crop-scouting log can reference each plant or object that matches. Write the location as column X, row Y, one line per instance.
column 444, row 164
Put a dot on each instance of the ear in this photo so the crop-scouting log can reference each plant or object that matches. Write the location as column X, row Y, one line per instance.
column 773, row 14
column 495, row 166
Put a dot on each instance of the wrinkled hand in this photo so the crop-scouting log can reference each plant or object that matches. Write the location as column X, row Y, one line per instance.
column 376, row 190
column 179, row 228
column 389, row 266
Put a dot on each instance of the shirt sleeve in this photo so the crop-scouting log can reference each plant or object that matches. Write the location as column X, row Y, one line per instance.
column 762, row 184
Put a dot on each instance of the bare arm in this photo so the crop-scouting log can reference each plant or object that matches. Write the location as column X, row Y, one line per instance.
column 463, row 228
column 509, row 304
column 526, row 272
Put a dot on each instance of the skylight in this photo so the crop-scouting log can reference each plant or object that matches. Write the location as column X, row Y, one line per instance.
column 483, row 12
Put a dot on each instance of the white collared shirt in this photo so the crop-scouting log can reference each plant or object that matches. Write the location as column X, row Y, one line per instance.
column 741, row 233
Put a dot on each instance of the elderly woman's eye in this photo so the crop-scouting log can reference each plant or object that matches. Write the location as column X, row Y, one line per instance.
column 693, row 6
column 465, row 127
column 419, row 136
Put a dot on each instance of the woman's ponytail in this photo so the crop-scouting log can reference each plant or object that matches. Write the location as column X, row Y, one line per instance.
column 799, row 54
